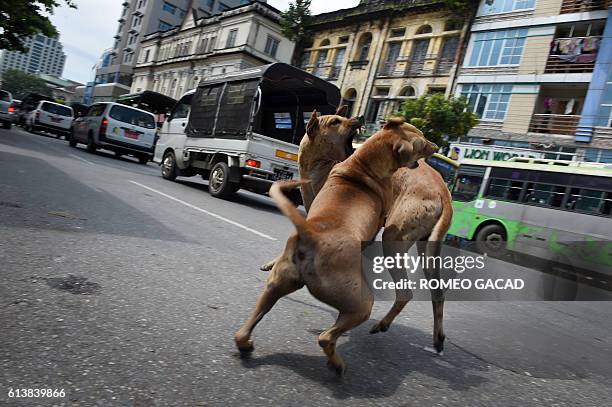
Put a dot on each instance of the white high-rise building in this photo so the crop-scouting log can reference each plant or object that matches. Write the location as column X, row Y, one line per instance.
column 45, row 55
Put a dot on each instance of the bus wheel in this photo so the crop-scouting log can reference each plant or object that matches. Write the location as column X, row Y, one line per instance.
column 219, row 184
column 491, row 239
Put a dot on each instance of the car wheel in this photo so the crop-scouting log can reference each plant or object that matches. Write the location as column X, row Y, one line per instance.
column 91, row 144
column 219, row 184
column 7, row 125
column 491, row 239
column 168, row 166
column 143, row 159
column 71, row 140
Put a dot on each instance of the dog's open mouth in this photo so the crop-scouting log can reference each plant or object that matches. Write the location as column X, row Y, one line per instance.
column 348, row 147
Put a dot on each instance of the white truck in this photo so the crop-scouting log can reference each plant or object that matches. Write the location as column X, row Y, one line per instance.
column 242, row 130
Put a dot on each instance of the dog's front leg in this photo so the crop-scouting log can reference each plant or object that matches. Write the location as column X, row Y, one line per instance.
column 268, row 266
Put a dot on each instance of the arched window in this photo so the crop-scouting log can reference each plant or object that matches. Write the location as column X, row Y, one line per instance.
column 363, row 47
column 407, row 92
column 349, row 99
column 424, row 29
column 324, row 43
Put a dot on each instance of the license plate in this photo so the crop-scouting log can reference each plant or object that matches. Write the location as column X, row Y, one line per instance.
column 131, row 134
column 282, row 174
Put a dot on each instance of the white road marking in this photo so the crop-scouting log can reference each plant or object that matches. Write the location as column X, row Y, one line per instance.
column 214, row 215
column 81, row 159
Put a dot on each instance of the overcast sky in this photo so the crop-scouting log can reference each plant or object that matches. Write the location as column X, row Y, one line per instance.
column 89, row 30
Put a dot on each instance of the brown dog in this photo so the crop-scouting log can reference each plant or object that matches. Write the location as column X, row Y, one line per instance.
column 421, row 207
column 325, row 253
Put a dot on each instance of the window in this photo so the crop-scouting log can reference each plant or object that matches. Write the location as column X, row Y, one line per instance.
column 146, row 58
column 489, row 102
column 466, row 187
column 212, row 44
column 164, row 26
column 132, row 116
column 231, row 38
column 343, row 40
column 182, row 108
column 505, row 6
column 589, row 200
column 305, row 59
column 271, row 46
column 203, row 45
column 169, row 8
column 95, row 110
column 505, row 189
column 282, row 120
column 497, row 48
column 397, row 32
column 364, row 47
column 57, row 109
column 598, row 155
column 424, row 29
column 544, row 194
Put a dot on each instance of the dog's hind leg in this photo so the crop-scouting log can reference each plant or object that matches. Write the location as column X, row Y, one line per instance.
column 345, row 322
column 402, row 296
column 282, row 280
column 430, row 249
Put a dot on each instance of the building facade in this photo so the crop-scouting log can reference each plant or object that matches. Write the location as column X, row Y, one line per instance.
column 381, row 53
column 538, row 73
column 138, row 19
column 45, row 55
column 174, row 61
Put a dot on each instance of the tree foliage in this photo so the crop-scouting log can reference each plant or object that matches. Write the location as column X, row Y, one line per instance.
column 20, row 19
column 438, row 117
column 20, row 84
column 294, row 22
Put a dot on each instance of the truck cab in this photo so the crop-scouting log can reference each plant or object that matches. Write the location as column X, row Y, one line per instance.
column 242, row 130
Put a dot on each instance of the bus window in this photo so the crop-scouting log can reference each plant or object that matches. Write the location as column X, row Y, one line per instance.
column 543, row 194
column 505, row 189
column 586, row 200
column 466, row 187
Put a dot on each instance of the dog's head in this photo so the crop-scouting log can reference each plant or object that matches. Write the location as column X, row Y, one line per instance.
column 331, row 136
column 408, row 143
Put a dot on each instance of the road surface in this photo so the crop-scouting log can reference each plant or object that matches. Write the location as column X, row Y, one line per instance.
column 125, row 289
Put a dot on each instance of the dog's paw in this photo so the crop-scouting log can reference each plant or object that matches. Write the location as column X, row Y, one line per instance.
column 245, row 348
column 339, row 370
column 267, row 266
column 379, row 327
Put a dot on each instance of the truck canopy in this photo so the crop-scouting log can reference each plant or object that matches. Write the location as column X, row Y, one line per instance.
column 274, row 100
column 150, row 101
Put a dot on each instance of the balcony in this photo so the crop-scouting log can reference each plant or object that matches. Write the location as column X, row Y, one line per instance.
column 444, row 66
column 403, row 68
column 573, row 55
column 361, row 64
column 564, row 124
column 579, row 6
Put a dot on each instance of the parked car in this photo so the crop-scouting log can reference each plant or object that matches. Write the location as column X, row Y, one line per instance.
column 6, row 109
column 122, row 129
column 243, row 129
column 50, row 117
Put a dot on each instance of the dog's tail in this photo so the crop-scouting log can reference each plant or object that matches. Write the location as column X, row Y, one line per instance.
column 287, row 207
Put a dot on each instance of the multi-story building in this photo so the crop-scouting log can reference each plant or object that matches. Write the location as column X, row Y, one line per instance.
column 538, row 73
column 138, row 19
column 45, row 55
column 381, row 53
column 173, row 61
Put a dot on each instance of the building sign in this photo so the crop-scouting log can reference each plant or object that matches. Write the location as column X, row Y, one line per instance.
column 460, row 151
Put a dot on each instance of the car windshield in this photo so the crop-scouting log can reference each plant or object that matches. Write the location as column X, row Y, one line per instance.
column 56, row 109
column 5, row 96
column 132, row 116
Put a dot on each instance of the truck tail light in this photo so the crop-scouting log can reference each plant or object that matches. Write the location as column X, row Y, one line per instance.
column 11, row 109
column 37, row 116
column 103, row 127
column 253, row 163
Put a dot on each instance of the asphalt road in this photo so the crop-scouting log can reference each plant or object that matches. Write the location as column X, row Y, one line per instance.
column 125, row 289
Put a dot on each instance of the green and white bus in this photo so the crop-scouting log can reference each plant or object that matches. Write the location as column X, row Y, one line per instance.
column 556, row 210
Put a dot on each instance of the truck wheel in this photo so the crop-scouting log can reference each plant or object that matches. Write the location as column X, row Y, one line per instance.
column 168, row 166
column 219, row 184
column 91, row 144
column 491, row 239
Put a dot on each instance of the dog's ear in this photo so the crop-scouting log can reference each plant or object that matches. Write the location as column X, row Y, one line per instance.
column 342, row 109
column 394, row 122
column 403, row 152
column 313, row 124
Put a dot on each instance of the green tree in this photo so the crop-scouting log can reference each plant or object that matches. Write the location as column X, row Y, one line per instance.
column 20, row 84
column 294, row 22
column 439, row 118
column 20, row 19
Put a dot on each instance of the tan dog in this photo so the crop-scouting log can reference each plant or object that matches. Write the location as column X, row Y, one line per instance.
column 421, row 208
column 325, row 253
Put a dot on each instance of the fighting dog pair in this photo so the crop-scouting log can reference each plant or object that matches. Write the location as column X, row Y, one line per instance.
column 381, row 184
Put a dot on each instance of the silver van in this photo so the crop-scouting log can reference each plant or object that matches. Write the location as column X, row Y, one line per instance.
column 50, row 117
column 6, row 109
column 122, row 129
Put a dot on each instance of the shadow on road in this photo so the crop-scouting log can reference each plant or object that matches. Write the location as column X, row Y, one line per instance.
column 377, row 365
